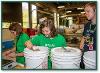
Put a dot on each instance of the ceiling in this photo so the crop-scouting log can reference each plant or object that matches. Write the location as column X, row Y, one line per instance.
column 68, row 6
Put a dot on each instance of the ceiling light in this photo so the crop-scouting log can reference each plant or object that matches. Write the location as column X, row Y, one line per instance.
column 68, row 11
column 63, row 16
column 60, row 6
column 82, row 12
column 80, row 8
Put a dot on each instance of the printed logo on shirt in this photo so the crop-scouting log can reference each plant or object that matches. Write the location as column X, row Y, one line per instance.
column 90, row 46
column 89, row 41
column 49, row 45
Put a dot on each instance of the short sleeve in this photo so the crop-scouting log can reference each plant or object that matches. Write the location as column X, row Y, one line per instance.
column 25, row 37
column 35, row 40
column 63, row 41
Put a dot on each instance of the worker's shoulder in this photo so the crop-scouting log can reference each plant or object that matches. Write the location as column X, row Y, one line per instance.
column 24, row 35
column 60, row 36
column 38, row 36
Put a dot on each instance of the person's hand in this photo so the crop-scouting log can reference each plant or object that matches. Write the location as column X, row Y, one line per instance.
column 9, row 55
column 35, row 48
column 82, row 43
column 28, row 44
column 81, row 47
column 12, row 55
column 7, row 52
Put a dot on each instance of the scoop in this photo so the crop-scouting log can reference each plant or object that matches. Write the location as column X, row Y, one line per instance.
column 66, row 50
column 35, row 48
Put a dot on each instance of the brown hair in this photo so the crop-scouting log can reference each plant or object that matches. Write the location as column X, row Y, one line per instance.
column 15, row 26
column 48, row 23
column 91, row 4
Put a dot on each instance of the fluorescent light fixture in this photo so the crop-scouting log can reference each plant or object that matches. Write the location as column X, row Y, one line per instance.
column 60, row 6
column 68, row 11
column 63, row 16
column 82, row 12
column 80, row 8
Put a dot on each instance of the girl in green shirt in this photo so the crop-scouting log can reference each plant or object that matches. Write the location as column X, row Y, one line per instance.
column 21, row 38
column 47, row 37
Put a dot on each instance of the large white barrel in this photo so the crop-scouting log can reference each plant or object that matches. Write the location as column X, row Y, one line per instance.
column 90, row 59
column 65, row 59
column 36, row 59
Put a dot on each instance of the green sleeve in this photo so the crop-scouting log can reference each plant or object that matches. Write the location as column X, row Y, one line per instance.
column 64, row 43
column 35, row 40
column 25, row 38
column 20, row 44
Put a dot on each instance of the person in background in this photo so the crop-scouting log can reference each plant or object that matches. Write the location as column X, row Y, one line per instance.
column 48, row 37
column 88, row 41
column 17, row 30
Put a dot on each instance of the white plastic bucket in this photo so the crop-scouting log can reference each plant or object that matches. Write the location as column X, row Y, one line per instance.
column 36, row 59
column 68, row 59
column 65, row 66
column 90, row 59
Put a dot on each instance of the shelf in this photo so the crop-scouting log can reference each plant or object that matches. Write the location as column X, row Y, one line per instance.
column 74, row 34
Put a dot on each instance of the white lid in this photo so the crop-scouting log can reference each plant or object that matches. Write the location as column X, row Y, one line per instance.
column 42, row 50
column 59, row 51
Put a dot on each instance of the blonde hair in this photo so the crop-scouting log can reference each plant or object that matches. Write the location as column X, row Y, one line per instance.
column 91, row 4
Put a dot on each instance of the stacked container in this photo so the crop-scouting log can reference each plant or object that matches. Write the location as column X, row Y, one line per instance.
column 65, row 58
column 90, row 60
column 36, row 59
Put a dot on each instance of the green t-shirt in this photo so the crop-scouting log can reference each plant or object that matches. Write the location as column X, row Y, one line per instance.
column 41, row 40
column 20, row 41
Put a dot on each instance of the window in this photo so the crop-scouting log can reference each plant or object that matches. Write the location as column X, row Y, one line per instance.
column 25, row 13
column 5, row 24
column 34, row 16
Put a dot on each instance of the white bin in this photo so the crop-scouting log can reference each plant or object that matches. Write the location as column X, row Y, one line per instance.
column 36, row 59
column 90, row 59
column 68, row 59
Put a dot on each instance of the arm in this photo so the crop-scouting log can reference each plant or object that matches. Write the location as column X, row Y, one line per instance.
column 10, row 51
column 20, row 54
column 28, row 44
column 82, row 43
column 34, row 40
column 14, row 49
column 84, row 34
column 13, row 55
